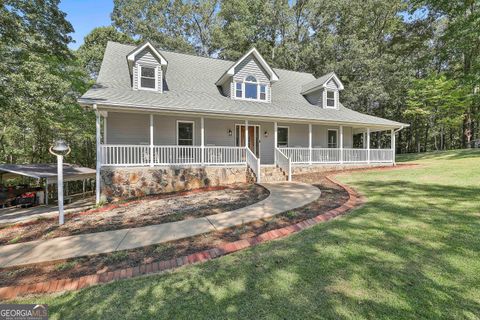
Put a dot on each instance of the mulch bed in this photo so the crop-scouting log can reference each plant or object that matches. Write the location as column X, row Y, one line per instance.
column 137, row 213
column 332, row 197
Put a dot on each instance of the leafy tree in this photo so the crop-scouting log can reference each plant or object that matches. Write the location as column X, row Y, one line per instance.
column 90, row 53
column 39, row 84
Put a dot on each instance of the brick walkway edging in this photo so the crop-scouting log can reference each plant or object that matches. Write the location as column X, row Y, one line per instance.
column 70, row 284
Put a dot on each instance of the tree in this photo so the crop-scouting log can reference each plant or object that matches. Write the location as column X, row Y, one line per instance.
column 40, row 82
column 90, row 53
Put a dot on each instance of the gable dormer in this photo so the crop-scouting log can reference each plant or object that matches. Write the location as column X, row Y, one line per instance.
column 250, row 78
column 324, row 91
column 147, row 68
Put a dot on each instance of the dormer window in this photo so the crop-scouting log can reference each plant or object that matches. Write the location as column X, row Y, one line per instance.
column 148, row 78
column 250, row 89
column 147, row 68
column 331, row 99
column 263, row 92
column 250, row 78
column 238, row 90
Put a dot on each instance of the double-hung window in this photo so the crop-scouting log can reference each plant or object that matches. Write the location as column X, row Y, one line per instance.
column 185, row 133
column 332, row 138
column 331, row 99
column 238, row 90
column 148, row 78
column 282, row 137
column 263, row 92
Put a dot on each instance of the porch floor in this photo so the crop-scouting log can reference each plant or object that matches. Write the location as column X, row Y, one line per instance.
column 283, row 197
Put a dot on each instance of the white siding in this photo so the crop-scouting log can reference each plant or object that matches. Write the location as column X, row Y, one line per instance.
column 216, row 132
column 332, row 85
column 128, row 128
column 165, row 129
column 250, row 66
column 146, row 58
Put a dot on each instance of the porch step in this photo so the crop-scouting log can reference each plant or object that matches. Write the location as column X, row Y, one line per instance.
column 272, row 174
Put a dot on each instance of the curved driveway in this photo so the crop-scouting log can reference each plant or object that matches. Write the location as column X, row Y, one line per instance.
column 283, row 197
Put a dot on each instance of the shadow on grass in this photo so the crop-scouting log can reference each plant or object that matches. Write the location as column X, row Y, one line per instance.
column 400, row 256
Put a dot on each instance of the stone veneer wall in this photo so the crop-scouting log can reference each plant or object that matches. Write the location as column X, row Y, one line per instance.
column 128, row 182
column 299, row 169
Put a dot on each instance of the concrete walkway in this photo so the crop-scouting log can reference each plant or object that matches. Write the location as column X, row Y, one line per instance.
column 283, row 197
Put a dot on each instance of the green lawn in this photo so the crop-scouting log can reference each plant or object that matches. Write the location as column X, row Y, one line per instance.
column 413, row 251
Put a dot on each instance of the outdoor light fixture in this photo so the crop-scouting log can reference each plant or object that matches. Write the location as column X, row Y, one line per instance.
column 229, row 132
column 266, row 134
column 60, row 149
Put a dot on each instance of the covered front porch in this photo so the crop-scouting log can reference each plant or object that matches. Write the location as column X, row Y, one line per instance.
column 165, row 139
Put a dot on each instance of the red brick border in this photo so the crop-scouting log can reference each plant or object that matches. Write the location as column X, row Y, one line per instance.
column 6, row 293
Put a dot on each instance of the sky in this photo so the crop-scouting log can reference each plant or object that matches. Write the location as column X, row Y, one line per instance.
column 84, row 15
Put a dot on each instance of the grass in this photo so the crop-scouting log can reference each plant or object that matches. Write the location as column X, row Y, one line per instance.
column 412, row 252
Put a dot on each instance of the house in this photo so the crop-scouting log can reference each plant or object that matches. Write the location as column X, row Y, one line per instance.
column 168, row 121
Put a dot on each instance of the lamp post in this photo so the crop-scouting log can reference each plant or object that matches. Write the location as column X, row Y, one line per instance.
column 60, row 149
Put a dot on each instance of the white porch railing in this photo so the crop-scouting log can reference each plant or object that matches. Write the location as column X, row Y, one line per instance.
column 381, row 155
column 284, row 163
column 355, row 155
column 297, row 155
column 336, row 155
column 135, row 155
column 141, row 155
column 224, row 155
column 325, row 155
column 172, row 155
column 254, row 163
column 124, row 155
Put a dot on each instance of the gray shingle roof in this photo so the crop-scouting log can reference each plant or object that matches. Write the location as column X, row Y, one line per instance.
column 191, row 88
column 317, row 82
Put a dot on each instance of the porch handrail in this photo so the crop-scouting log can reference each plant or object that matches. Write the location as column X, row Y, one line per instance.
column 284, row 163
column 254, row 163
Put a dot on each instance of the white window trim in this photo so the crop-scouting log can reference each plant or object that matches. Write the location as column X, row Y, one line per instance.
column 139, row 77
column 288, row 136
column 267, row 89
column 328, row 142
column 335, row 99
column 193, row 132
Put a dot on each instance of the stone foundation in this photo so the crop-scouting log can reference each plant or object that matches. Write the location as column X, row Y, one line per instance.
column 129, row 182
column 301, row 169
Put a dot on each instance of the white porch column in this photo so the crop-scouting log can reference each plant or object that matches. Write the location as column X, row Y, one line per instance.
column 368, row 145
column 151, row 140
column 202, row 138
column 341, row 144
column 104, row 130
column 275, row 141
column 310, row 142
column 99, row 161
column 392, row 142
column 246, row 133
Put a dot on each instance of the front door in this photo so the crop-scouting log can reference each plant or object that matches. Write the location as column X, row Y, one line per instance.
column 253, row 138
